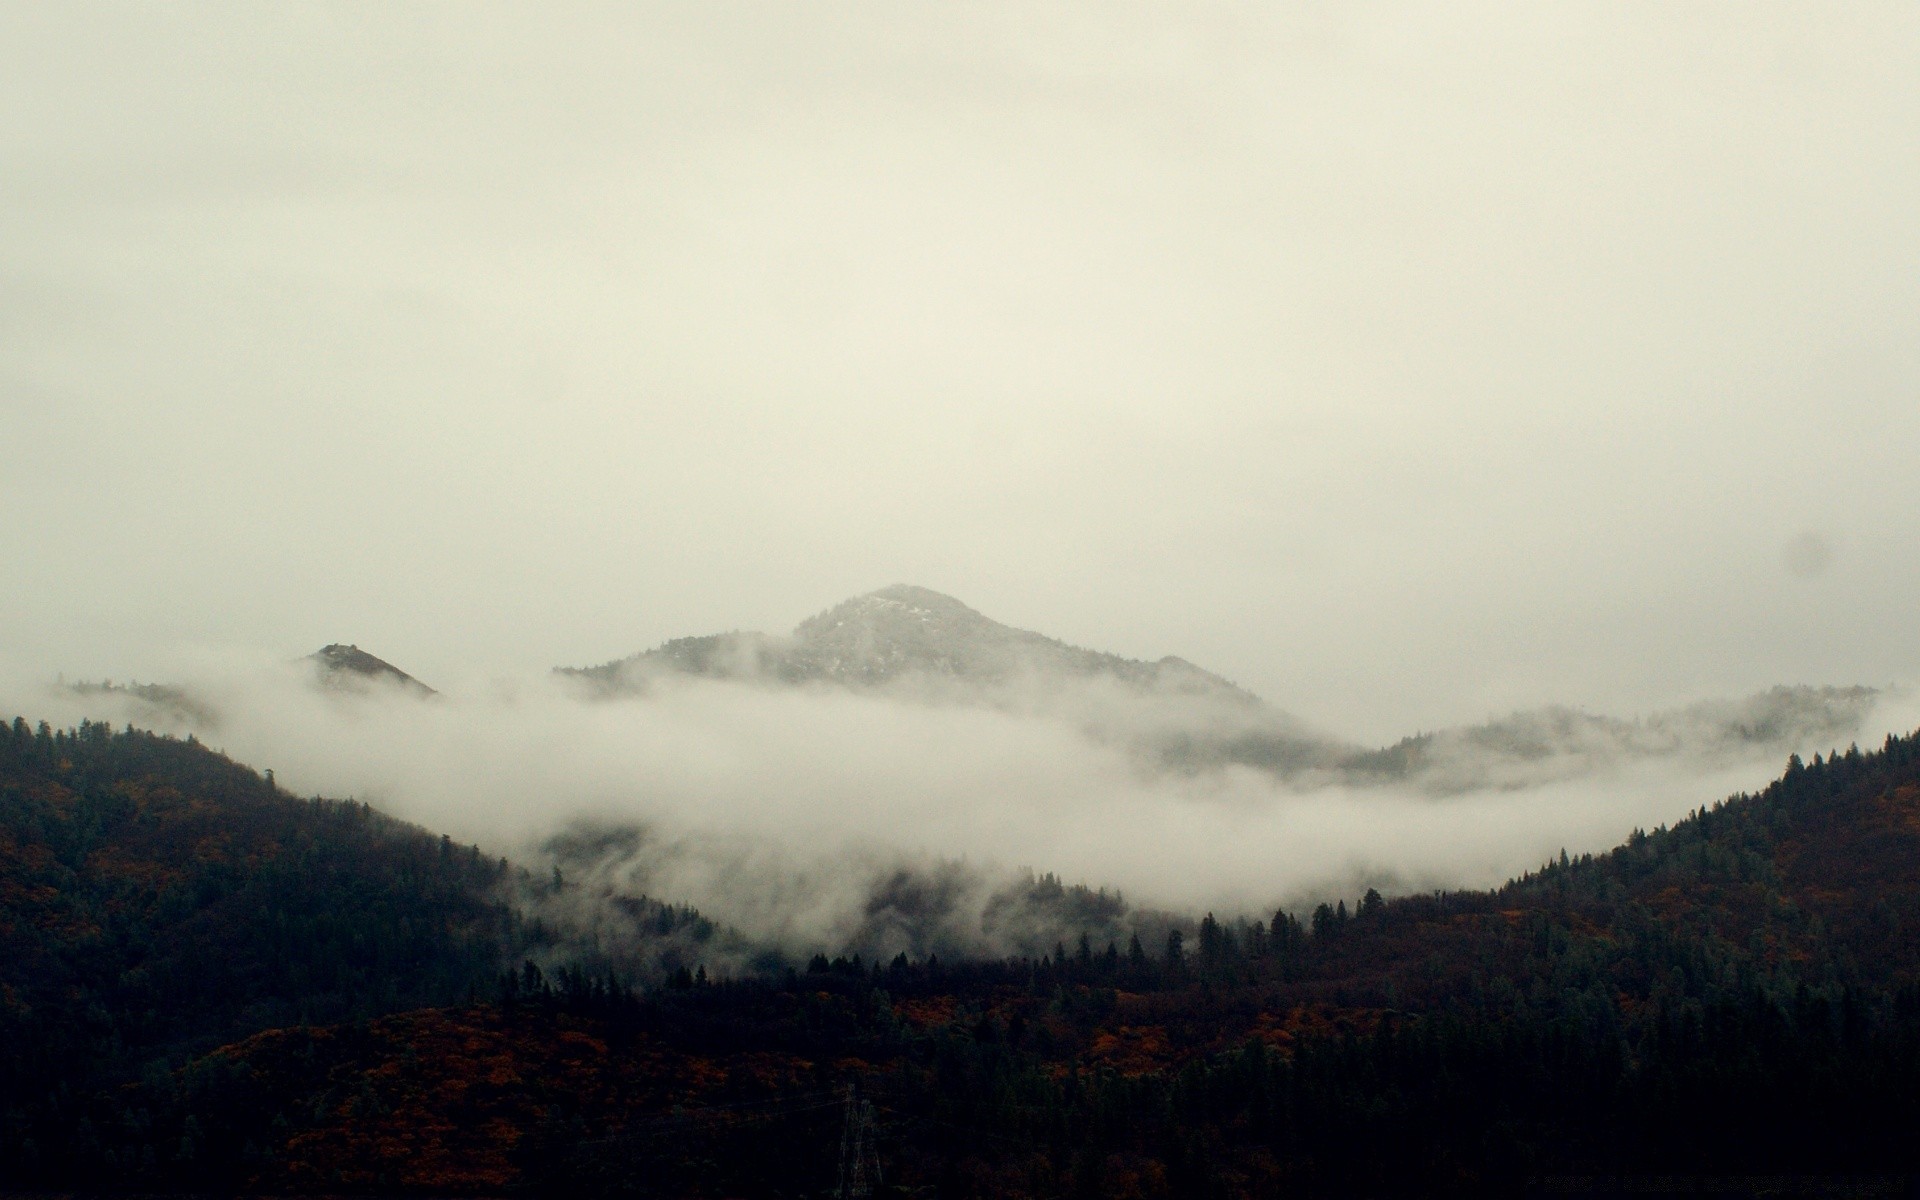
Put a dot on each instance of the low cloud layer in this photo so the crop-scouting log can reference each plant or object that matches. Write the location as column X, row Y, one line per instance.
column 821, row 819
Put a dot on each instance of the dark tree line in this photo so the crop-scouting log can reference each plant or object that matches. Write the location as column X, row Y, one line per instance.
column 1736, row 995
column 160, row 900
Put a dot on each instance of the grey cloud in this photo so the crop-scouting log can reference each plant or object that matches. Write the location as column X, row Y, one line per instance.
column 1400, row 363
column 1808, row 554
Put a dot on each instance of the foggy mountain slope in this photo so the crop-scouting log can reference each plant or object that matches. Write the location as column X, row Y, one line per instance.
column 935, row 654
column 1535, row 746
column 350, row 668
column 200, row 706
column 915, row 643
column 903, row 631
column 157, row 897
column 900, row 630
column 161, row 705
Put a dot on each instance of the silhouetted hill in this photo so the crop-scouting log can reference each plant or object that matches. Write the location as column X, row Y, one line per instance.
column 158, row 899
column 1737, row 996
column 155, row 896
column 350, row 666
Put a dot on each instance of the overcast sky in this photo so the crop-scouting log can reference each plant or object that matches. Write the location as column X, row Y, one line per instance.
column 1402, row 363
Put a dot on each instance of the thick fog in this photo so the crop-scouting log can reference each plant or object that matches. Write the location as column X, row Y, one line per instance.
column 818, row 818
column 1406, row 363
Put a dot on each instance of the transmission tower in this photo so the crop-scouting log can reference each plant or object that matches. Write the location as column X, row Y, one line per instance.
column 859, row 1156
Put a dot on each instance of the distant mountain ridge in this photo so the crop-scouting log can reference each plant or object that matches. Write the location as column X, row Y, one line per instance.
column 918, row 645
column 1200, row 721
column 898, row 631
column 1535, row 745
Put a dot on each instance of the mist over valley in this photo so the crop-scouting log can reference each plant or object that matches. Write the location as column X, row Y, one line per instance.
column 723, row 599
column 900, row 773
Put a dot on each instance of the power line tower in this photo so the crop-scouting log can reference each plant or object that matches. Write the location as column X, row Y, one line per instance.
column 859, row 1156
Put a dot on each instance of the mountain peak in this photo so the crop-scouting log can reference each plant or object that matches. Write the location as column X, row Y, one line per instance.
column 914, row 596
column 902, row 629
column 905, row 630
column 898, row 601
column 343, row 665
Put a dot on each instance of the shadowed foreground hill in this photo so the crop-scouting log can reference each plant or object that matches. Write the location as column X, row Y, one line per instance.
column 1736, row 996
column 156, row 898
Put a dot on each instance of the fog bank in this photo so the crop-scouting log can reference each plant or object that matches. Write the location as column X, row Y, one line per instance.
column 822, row 819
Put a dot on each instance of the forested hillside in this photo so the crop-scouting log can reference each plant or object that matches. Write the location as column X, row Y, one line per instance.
column 1735, row 996
column 156, row 899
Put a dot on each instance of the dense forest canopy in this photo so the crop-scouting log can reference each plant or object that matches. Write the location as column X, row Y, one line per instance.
column 211, row 984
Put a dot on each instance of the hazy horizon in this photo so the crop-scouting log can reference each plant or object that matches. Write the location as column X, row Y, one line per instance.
column 789, row 811
column 1405, row 364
